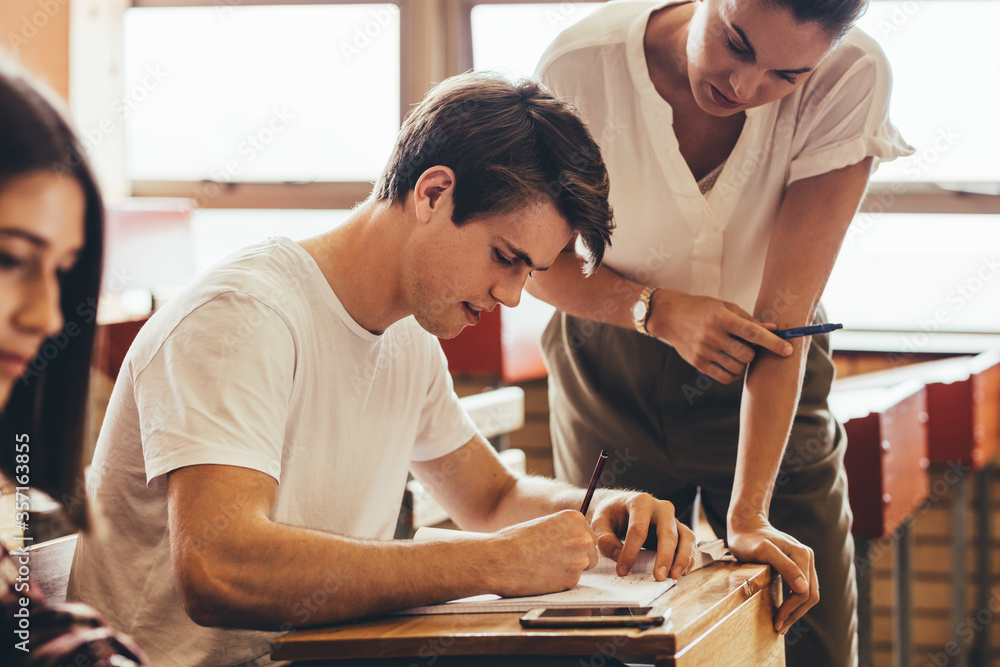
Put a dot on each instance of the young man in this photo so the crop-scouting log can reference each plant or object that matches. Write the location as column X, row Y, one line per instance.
column 257, row 444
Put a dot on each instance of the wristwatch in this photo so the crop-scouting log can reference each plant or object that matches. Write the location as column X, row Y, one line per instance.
column 641, row 309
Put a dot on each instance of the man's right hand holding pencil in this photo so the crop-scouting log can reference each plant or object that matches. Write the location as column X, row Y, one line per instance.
column 541, row 533
column 550, row 553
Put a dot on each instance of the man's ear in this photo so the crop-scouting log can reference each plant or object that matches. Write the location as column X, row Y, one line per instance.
column 433, row 191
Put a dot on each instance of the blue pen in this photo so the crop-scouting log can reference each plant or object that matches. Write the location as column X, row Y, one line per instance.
column 811, row 330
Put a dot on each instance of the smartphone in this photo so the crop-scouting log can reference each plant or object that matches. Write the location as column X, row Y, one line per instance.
column 576, row 617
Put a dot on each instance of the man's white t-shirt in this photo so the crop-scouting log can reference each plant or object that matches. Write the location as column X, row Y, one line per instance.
column 256, row 365
column 669, row 234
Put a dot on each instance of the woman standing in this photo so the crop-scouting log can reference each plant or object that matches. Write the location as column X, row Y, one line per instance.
column 739, row 137
column 51, row 221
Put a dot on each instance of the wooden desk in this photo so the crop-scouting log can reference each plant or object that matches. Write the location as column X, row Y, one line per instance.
column 722, row 615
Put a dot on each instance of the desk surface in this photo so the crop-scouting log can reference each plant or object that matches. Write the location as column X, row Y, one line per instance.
column 722, row 610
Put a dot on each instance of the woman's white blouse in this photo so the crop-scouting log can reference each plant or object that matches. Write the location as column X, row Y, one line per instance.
column 671, row 235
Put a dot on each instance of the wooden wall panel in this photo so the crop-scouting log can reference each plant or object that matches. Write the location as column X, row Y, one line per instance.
column 37, row 33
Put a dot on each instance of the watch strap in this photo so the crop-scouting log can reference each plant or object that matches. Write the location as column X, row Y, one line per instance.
column 646, row 297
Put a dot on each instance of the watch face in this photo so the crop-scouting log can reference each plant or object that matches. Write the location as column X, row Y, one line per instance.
column 639, row 311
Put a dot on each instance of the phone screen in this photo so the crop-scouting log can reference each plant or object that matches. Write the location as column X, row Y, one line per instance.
column 594, row 612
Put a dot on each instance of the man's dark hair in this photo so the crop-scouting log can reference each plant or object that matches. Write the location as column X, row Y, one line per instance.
column 510, row 144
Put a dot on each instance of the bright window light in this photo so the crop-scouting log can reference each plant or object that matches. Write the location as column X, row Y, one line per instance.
column 261, row 93
column 493, row 28
column 945, row 60
column 912, row 272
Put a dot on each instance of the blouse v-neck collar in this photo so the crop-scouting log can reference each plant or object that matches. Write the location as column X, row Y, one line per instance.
column 675, row 168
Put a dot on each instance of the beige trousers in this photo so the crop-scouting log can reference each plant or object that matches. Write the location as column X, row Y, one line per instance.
column 670, row 429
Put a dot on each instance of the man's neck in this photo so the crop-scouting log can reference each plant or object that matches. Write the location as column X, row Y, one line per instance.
column 360, row 260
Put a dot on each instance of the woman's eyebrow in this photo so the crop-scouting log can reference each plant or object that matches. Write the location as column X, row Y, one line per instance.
column 34, row 239
column 753, row 54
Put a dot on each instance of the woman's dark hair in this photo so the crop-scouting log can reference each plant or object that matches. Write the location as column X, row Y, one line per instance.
column 837, row 16
column 49, row 404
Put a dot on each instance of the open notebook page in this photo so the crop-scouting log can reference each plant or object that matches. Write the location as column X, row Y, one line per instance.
column 598, row 587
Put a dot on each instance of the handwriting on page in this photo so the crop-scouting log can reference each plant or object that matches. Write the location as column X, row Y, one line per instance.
column 643, row 564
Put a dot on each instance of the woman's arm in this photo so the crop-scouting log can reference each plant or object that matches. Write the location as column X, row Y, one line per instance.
column 807, row 236
column 716, row 337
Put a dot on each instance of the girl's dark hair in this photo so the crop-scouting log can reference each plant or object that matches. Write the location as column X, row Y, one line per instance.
column 49, row 404
column 837, row 16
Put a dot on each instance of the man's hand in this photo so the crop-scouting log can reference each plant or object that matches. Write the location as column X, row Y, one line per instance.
column 633, row 515
column 795, row 562
column 544, row 555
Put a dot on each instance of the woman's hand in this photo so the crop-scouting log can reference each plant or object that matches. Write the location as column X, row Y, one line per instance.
column 716, row 337
column 760, row 542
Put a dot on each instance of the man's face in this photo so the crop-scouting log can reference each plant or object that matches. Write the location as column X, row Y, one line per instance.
column 455, row 273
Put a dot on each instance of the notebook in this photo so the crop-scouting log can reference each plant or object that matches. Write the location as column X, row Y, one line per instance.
column 598, row 587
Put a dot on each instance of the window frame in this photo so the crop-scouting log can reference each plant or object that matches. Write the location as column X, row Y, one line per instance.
column 443, row 49
column 292, row 195
column 463, row 11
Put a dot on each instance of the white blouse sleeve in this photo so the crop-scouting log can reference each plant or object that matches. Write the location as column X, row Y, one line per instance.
column 844, row 112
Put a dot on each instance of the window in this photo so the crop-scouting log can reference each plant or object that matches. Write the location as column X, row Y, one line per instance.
column 946, row 87
column 211, row 122
column 919, row 258
column 257, row 103
column 266, row 94
column 918, row 272
column 535, row 26
column 217, row 233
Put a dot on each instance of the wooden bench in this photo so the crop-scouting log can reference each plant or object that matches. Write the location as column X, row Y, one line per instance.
column 886, row 463
column 963, row 437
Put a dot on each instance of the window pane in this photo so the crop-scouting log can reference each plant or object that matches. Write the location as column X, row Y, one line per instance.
column 945, row 59
column 289, row 93
column 511, row 38
column 918, row 272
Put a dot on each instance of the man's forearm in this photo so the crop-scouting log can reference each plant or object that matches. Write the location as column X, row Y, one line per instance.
column 532, row 497
column 770, row 398
column 271, row 576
